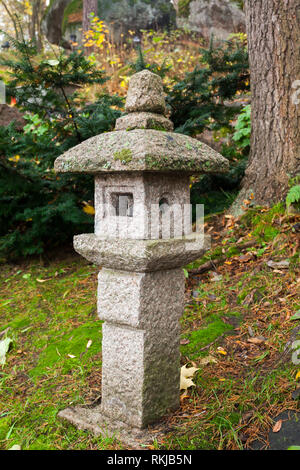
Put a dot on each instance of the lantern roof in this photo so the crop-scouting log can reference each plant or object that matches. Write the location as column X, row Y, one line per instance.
column 143, row 140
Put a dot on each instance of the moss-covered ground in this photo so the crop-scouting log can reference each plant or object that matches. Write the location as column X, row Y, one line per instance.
column 235, row 327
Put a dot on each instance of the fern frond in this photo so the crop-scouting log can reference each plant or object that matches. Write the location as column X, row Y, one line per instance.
column 293, row 195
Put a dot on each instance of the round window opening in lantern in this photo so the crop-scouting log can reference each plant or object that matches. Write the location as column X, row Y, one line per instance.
column 164, row 205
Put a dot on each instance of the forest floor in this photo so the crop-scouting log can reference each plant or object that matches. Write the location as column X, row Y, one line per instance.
column 238, row 327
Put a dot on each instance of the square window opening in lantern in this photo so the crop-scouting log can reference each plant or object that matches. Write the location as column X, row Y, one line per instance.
column 122, row 204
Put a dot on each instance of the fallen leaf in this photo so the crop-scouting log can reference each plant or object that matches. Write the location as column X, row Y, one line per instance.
column 15, row 447
column 296, row 316
column 277, row 426
column 185, row 374
column 188, row 371
column 278, row 264
column 298, row 375
column 208, row 360
column 185, row 383
column 250, row 331
column 184, row 341
column 71, row 356
column 246, row 258
column 4, row 347
column 221, row 351
column 216, row 277
column 183, row 396
column 89, row 343
column 255, row 340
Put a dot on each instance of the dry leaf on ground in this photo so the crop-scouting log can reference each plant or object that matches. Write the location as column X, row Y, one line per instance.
column 185, row 374
column 277, row 426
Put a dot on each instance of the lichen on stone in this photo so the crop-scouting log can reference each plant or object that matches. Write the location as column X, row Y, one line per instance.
column 125, row 156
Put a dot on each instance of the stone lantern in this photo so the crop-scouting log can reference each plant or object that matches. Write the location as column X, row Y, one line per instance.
column 143, row 238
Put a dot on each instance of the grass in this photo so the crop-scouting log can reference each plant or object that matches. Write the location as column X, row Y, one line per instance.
column 49, row 311
column 51, row 316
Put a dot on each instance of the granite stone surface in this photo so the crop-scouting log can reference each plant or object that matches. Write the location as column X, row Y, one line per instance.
column 141, row 150
column 142, row 120
column 143, row 236
column 141, row 255
column 145, row 93
column 146, row 190
column 140, row 347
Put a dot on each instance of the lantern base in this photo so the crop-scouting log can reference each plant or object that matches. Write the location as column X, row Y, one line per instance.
column 94, row 420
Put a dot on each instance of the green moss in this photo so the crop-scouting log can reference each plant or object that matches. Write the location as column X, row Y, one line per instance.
column 232, row 251
column 262, row 223
column 156, row 126
column 5, row 424
column 74, row 343
column 200, row 338
column 125, row 156
column 210, row 255
column 171, row 163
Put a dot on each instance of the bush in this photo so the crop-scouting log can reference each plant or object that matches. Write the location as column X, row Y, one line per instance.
column 203, row 100
column 38, row 208
column 200, row 100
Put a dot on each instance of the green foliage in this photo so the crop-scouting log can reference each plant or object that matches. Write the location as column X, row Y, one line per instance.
column 198, row 101
column 243, row 128
column 141, row 64
column 50, row 87
column 201, row 101
column 239, row 3
column 184, row 8
column 293, row 196
column 39, row 209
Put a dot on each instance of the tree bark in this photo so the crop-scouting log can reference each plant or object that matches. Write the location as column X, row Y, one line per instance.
column 35, row 30
column 11, row 16
column 89, row 6
column 273, row 29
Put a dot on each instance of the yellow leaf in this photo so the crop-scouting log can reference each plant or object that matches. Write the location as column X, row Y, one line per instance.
column 89, row 209
column 298, row 375
column 221, row 351
column 16, row 158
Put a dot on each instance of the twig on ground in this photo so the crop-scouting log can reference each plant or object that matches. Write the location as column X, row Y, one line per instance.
column 214, row 263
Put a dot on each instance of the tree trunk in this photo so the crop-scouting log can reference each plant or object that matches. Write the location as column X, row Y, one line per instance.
column 89, row 6
column 12, row 17
column 35, row 23
column 273, row 29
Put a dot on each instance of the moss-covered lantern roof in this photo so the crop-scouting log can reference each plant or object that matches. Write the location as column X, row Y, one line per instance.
column 143, row 140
